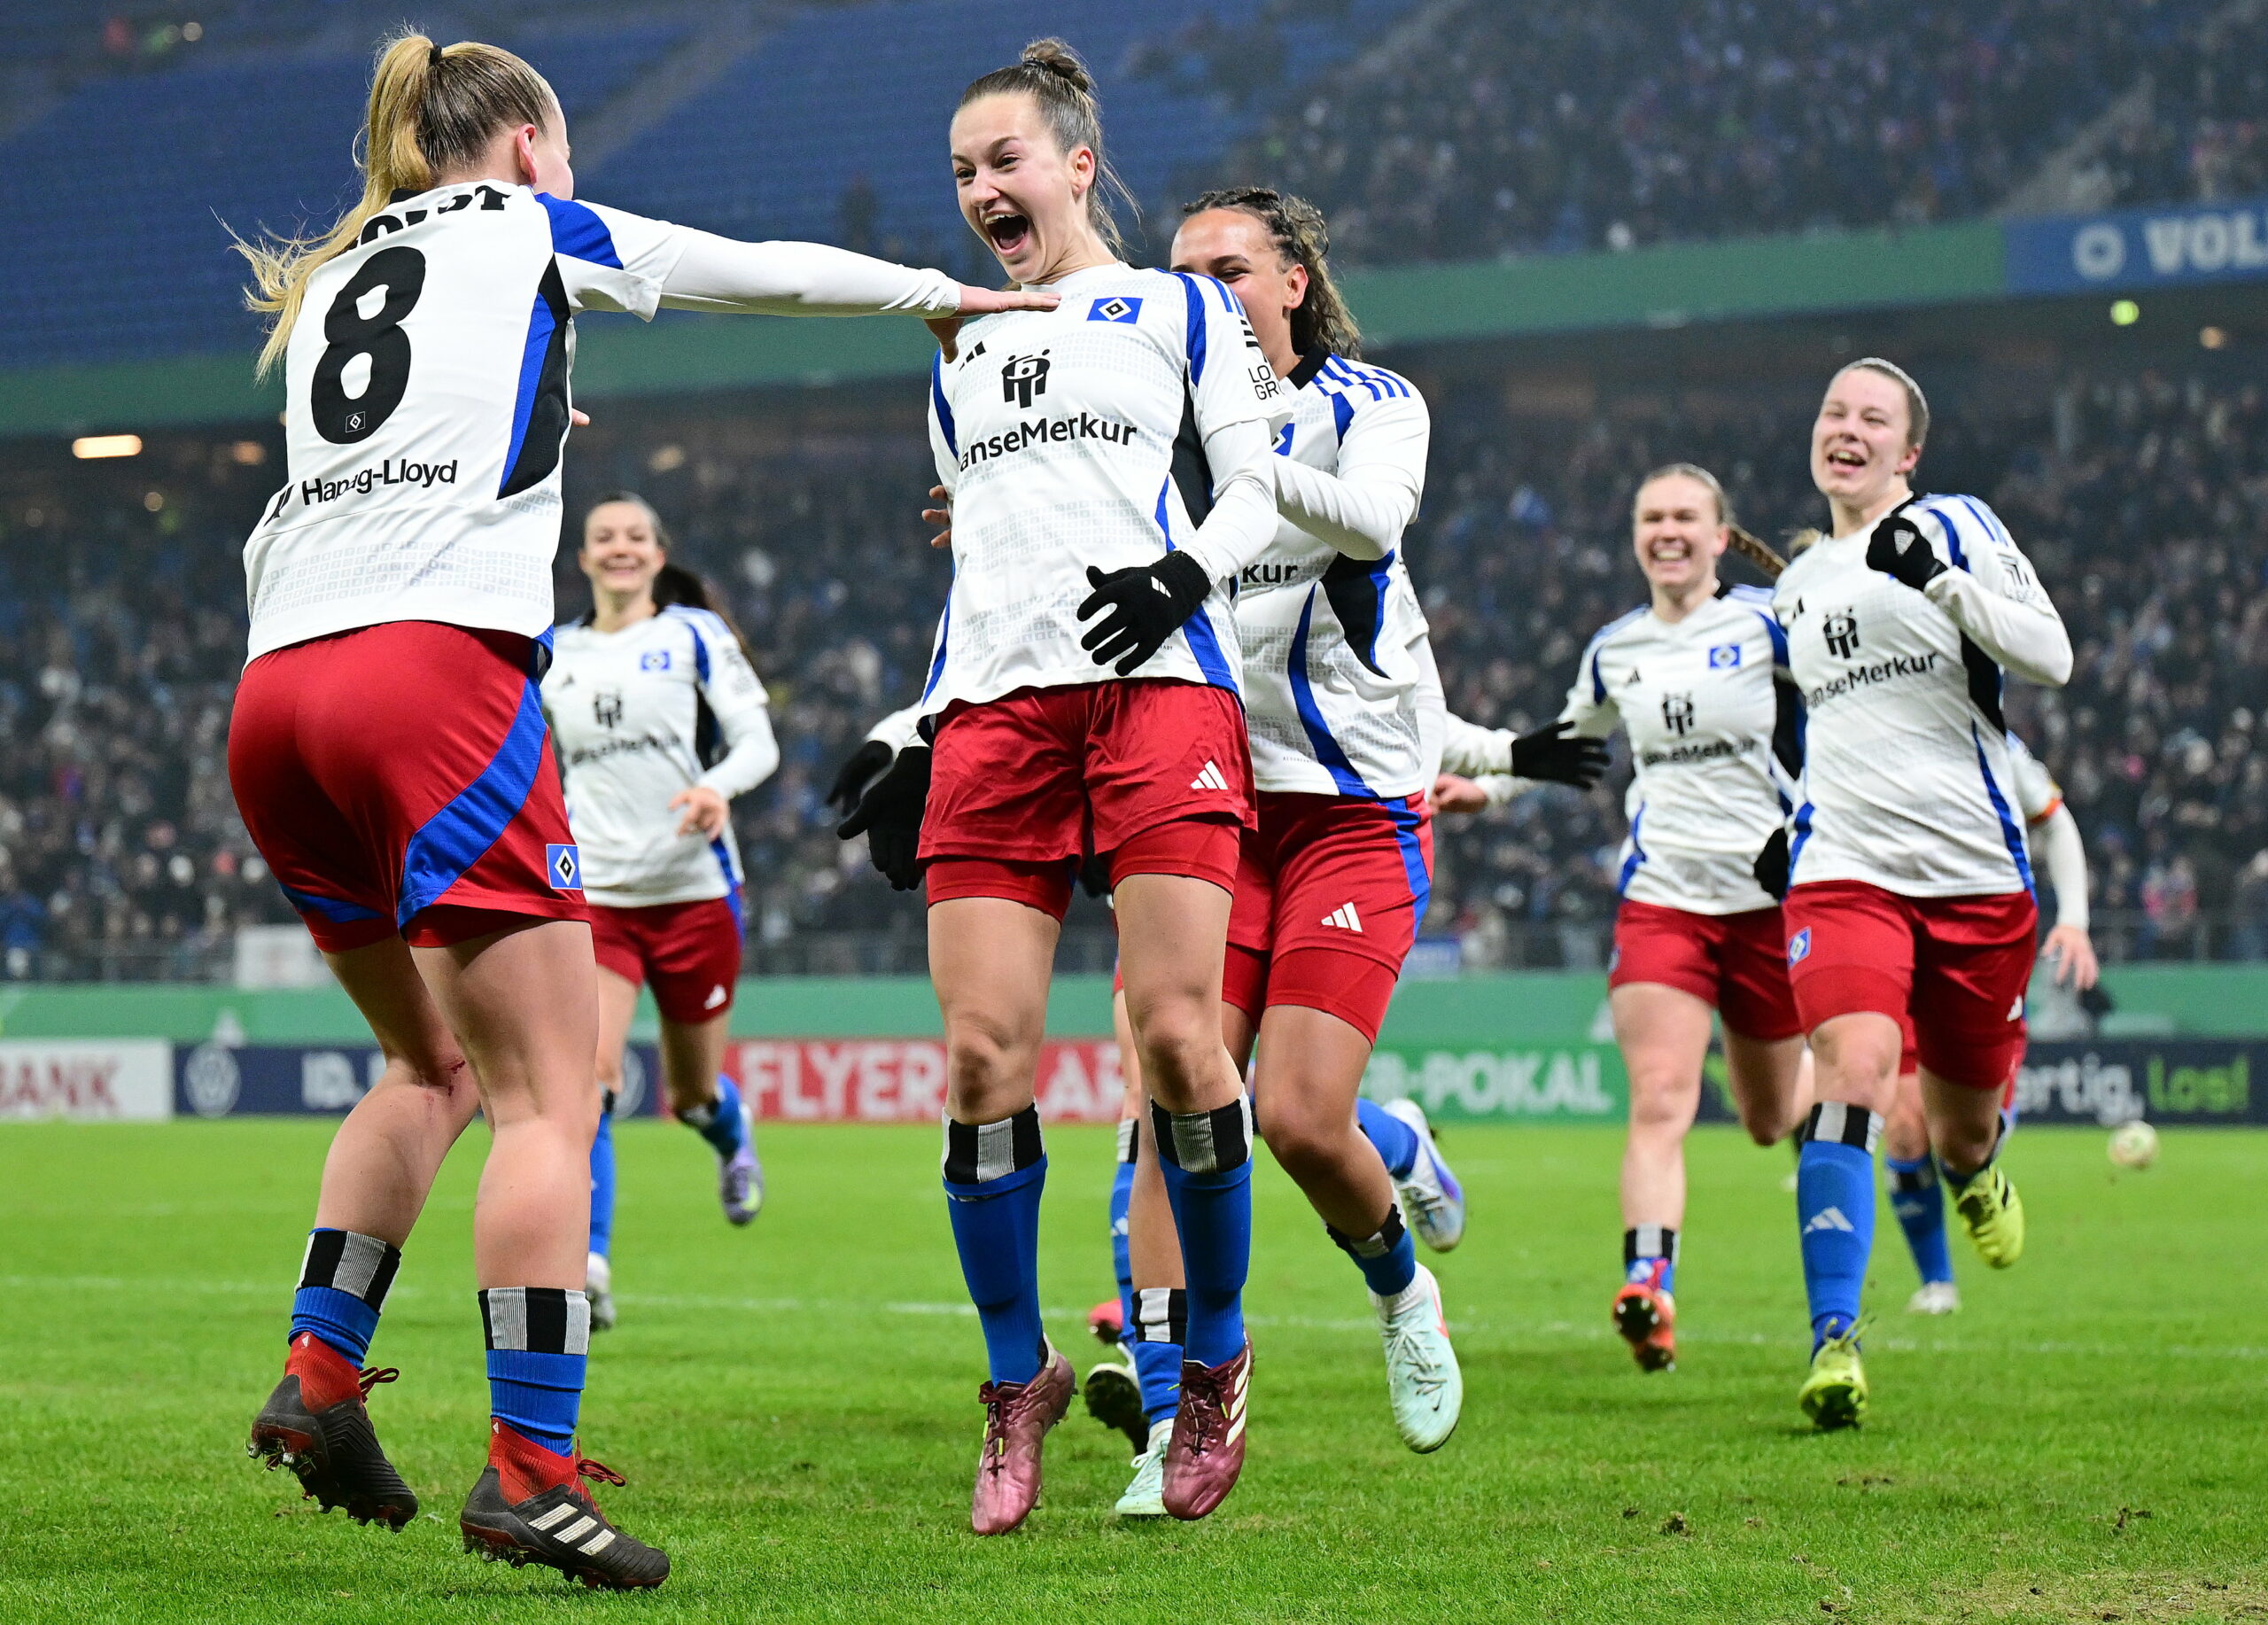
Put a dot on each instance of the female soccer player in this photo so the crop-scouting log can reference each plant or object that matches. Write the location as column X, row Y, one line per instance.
column 1917, row 1195
column 660, row 722
column 1910, row 888
column 1082, row 696
column 1697, row 679
column 388, row 750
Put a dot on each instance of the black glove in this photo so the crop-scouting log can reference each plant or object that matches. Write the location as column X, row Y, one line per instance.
column 1555, row 756
column 858, row 772
column 889, row 816
column 1141, row 608
column 1771, row 865
column 1898, row 548
column 1094, row 874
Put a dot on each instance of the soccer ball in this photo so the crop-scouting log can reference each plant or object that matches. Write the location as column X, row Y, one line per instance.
column 2134, row 1145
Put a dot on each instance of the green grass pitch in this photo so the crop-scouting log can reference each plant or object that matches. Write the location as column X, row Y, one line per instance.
column 794, row 1405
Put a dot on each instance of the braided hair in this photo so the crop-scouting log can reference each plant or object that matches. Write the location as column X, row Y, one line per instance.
column 1322, row 322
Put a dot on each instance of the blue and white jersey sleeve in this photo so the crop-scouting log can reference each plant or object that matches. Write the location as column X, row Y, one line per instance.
column 737, row 701
column 1991, row 591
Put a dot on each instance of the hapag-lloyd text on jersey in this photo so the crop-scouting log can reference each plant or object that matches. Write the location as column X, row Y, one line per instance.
column 1039, row 432
column 390, row 472
column 1862, row 676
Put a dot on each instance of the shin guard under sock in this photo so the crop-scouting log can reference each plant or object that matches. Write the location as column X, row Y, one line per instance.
column 1835, row 1212
column 538, row 1340
column 342, row 1282
column 1207, row 1160
column 994, row 1173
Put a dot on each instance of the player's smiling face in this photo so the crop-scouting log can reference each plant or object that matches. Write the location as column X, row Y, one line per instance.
column 621, row 554
column 1234, row 247
column 1859, row 445
column 1676, row 531
column 1018, row 191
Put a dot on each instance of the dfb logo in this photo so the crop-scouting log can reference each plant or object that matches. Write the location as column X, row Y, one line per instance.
column 606, row 708
column 1677, row 713
column 1023, row 379
column 1841, row 631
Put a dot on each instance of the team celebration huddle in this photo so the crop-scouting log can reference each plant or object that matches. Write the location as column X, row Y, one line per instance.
column 1183, row 663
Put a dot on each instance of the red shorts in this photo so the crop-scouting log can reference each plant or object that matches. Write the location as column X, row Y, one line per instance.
column 1738, row 963
column 399, row 778
column 1025, row 786
column 1330, row 891
column 690, row 952
column 1959, row 965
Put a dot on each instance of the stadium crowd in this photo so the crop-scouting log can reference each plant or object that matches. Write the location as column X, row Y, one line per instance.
column 1609, row 127
column 2142, row 498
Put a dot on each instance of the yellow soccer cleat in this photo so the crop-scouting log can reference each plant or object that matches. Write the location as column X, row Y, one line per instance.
column 1835, row 1395
column 1994, row 1214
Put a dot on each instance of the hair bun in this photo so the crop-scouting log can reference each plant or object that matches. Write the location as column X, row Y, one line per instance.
column 1057, row 57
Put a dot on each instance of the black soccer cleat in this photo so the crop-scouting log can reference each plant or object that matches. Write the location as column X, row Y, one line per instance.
column 556, row 1522
column 317, row 1423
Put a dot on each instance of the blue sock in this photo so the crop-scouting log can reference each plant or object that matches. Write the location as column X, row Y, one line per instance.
column 1388, row 1259
column 1122, row 1197
column 343, row 1283
column 1207, row 1160
column 994, row 1174
column 602, row 1182
column 1396, row 1141
column 538, row 1340
column 1918, row 1201
column 1157, row 1335
column 721, row 1124
column 1835, row 1210
column 1650, row 1256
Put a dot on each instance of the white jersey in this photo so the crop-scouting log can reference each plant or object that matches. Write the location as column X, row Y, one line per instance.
column 1330, row 670
column 1054, row 432
column 638, row 715
column 427, row 382
column 1907, row 779
column 2037, row 795
column 1703, row 700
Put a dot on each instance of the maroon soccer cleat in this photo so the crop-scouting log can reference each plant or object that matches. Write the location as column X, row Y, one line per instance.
column 1017, row 1416
column 317, row 1423
column 1206, row 1452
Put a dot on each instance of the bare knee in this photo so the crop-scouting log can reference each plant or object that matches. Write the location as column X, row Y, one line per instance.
column 1299, row 1137
column 987, row 1068
column 1179, row 1042
column 1856, row 1057
column 1662, row 1101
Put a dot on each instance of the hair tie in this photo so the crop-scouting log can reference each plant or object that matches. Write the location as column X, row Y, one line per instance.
column 434, row 59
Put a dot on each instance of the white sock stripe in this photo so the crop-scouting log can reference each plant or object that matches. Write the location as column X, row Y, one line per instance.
column 508, row 1316
column 995, row 1149
column 1126, row 1132
column 1647, row 1241
column 578, row 1321
column 1847, row 1125
column 360, row 1260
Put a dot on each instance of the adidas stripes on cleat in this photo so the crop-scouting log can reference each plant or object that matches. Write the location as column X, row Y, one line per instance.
column 1994, row 1213
column 1646, row 1317
column 529, row 1507
column 317, row 1423
column 1017, row 1417
column 1114, row 1399
column 1206, row 1452
column 1432, row 1199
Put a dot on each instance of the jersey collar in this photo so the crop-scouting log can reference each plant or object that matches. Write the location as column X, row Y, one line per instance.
column 1311, row 363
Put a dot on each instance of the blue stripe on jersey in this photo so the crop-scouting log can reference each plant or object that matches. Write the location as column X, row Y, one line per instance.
column 336, row 910
column 1986, row 522
column 1638, row 853
column 1803, row 835
column 700, row 647
column 2010, row 834
column 576, row 231
column 1778, row 634
column 937, row 400
column 1193, row 340
column 1406, row 824
column 1342, row 414
column 1228, row 300
column 732, row 880
column 1377, row 574
column 937, row 660
column 1327, row 751
column 1599, row 647
column 542, row 324
column 1204, row 643
column 454, row 839
column 1953, row 533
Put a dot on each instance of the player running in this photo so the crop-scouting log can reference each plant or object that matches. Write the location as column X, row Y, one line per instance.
column 388, row 750
column 1698, row 680
column 1910, row 886
column 1083, row 698
column 660, row 722
column 1917, row 1195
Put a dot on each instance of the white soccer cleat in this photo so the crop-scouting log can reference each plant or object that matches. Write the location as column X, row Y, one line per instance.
column 1146, row 1497
column 598, row 1287
column 1432, row 1199
column 1421, row 1371
column 1935, row 1298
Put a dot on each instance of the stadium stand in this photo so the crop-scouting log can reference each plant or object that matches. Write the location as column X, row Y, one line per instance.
column 2141, row 494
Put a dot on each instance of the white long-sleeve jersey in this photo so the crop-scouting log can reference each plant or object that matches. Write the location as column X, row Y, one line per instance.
column 1055, row 431
column 1329, row 624
column 428, row 399
column 638, row 715
column 1907, row 780
column 2051, row 834
column 1703, row 700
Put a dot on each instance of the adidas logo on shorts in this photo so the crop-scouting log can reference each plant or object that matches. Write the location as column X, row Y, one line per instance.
column 717, row 996
column 1345, row 918
column 1209, row 780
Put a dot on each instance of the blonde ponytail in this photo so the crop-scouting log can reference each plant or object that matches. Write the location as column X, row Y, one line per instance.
column 432, row 109
column 1749, row 546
